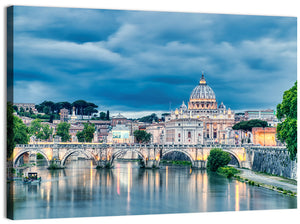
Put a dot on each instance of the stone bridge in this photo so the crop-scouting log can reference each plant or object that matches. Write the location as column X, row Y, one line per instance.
column 104, row 154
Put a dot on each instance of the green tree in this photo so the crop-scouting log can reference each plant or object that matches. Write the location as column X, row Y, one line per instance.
column 248, row 125
column 287, row 113
column 17, row 132
column 39, row 156
column 142, row 136
column 63, row 131
column 80, row 136
column 102, row 116
column 149, row 119
column 20, row 131
column 87, row 134
column 90, row 109
column 107, row 115
column 41, row 131
column 10, row 130
column 15, row 108
column 217, row 158
column 79, row 106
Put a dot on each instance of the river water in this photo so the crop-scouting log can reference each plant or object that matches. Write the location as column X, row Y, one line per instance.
column 82, row 191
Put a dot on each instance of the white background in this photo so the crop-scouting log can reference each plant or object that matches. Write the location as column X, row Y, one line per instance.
column 249, row 7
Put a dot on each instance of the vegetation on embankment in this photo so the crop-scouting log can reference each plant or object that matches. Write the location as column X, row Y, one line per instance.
column 267, row 186
column 227, row 171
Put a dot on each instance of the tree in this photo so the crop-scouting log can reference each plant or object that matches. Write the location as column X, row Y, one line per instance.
column 10, row 129
column 248, row 125
column 89, row 110
column 217, row 158
column 63, row 131
column 80, row 136
column 142, row 136
column 287, row 129
column 107, row 115
column 80, row 105
column 149, row 119
column 87, row 134
column 51, row 117
column 15, row 108
column 17, row 133
column 102, row 116
column 41, row 131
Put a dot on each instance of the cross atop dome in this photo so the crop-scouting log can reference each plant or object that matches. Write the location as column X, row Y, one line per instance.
column 202, row 80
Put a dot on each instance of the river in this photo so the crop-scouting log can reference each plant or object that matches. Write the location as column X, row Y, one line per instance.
column 82, row 191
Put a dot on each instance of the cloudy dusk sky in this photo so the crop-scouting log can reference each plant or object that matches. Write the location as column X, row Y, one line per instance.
column 137, row 61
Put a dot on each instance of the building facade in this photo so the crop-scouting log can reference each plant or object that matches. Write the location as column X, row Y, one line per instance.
column 64, row 113
column 215, row 120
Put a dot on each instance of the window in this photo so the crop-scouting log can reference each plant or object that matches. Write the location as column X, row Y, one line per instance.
column 179, row 135
column 178, row 124
column 189, row 134
column 215, row 134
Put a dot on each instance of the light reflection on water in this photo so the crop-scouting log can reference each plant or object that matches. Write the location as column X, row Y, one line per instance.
column 81, row 191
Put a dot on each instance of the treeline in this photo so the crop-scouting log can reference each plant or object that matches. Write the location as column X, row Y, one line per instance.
column 153, row 117
column 51, row 110
column 81, row 107
column 29, row 113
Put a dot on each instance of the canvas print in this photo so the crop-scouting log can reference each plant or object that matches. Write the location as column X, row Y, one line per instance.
column 120, row 112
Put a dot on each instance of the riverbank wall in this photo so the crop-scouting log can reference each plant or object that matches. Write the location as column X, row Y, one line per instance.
column 272, row 160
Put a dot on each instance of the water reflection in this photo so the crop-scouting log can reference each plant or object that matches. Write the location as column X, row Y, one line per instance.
column 81, row 191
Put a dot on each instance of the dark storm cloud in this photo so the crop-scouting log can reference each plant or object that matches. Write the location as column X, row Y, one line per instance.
column 138, row 60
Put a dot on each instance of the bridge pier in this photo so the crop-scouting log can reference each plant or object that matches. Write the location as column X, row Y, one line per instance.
column 104, row 164
column 152, row 163
column 55, row 164
column 199, row 164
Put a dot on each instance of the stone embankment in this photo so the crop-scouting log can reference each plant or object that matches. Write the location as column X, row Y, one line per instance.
column 272, row 160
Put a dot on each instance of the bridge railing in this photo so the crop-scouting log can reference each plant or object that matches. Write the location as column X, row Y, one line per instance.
column 137, row 145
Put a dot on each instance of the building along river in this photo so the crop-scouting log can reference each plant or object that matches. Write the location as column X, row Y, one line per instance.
column 80, row 190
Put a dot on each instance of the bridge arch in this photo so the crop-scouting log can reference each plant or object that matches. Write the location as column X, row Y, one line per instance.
column 124, row 151
column 181, row 151
column 28, row 150
column 72, row 151
column 234, row 155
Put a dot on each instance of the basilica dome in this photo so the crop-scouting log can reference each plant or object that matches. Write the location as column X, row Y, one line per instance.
column 202, row 97
column 202, row 91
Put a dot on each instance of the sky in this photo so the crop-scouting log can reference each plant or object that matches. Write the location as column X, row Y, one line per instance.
column 139, row 62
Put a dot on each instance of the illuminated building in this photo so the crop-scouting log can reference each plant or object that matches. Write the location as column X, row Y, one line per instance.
column 216, row 121
column 265, row 136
